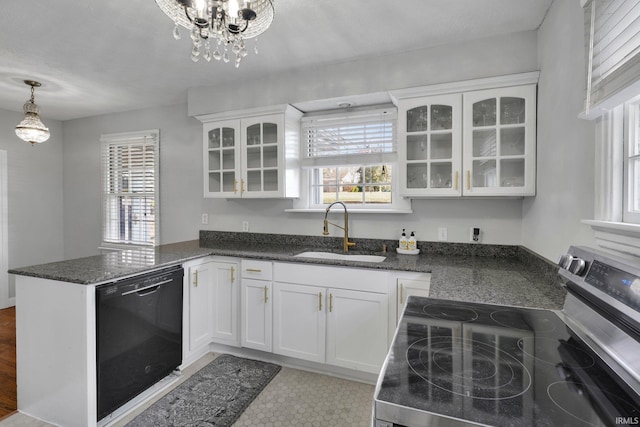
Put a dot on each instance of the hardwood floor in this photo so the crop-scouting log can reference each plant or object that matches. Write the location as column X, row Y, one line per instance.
column 8, row 398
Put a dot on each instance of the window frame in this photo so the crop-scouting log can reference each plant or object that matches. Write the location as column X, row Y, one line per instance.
column 141, row 138
column 631, row 136
column 311, row 165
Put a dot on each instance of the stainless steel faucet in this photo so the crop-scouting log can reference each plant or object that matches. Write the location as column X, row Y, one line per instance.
column 325, row 230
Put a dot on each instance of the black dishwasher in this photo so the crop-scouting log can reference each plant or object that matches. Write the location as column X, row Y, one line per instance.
column 139, row 335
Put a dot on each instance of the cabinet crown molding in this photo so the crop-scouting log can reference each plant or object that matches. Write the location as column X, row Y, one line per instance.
column 465, row 86
column 250, row 112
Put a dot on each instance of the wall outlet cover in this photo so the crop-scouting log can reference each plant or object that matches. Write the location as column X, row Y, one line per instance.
column 205, row 218
column 245, row 225
column 442, row 234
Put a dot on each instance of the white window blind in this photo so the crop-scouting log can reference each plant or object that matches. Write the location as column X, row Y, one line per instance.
column 130, row 187
column 358, row 137
column 613, row 47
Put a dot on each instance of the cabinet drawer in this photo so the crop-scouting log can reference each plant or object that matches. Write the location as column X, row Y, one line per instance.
column 260, row 270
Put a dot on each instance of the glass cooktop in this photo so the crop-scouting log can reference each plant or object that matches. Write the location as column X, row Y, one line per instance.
column 495, row 365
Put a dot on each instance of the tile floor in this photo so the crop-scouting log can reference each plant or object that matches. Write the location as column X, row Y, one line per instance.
column 292, row 398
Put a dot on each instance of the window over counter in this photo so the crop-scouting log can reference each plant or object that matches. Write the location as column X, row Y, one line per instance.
column 350, row 156
column 130, row 174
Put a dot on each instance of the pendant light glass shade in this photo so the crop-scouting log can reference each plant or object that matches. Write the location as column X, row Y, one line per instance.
column 31, row 128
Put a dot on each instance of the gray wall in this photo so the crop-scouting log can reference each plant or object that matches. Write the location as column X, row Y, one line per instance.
column 181, row 159
column 35, row 194
column 551, row 220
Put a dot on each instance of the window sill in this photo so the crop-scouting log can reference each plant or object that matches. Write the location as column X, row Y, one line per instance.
column 354, row 211
column 622, row 238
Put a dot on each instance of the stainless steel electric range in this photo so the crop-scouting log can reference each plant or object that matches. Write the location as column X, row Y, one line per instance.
column 461, row 364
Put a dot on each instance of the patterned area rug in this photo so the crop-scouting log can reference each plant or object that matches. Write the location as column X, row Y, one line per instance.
column 216, row 395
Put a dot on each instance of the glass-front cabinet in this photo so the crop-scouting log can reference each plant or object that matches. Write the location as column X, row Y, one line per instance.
column 254, row 156
column 499, row 134
column 473, row 143
column 221, row 158
column 429, row 131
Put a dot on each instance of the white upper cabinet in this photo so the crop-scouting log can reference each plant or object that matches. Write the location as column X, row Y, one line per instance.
column 430, row 148
column 252, row 153
column 500, row 142
column 472, row 138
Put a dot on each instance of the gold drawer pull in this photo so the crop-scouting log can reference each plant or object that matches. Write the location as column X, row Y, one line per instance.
column 330, row 303
column 319, row 301
column 254, row 270
column 232, row 276
column 266, row 294
column 468, row 180
column 241, row 186
column 456, row 180
column 195, row 283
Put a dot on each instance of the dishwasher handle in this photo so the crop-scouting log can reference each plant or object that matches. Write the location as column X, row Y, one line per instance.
column 152, row 289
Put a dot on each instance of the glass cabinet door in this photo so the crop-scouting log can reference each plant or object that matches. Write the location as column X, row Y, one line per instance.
column 221, row 160
column 499, row 135
column 429, row 132
column 261, row 156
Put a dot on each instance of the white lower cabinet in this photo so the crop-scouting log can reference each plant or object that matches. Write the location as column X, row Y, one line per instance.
column 418, row 285
column 256, row 305
column 344, row 323
column 356, row 329
column 299, row 321
column 200, row 303
column 211, row 301
column 225, row 286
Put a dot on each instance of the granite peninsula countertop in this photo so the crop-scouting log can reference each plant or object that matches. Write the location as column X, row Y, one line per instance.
column 507, row 275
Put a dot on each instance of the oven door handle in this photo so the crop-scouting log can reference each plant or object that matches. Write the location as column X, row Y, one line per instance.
column 153, row 288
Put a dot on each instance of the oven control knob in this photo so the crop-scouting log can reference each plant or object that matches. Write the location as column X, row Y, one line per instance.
column 565, row 261
column 577, row 266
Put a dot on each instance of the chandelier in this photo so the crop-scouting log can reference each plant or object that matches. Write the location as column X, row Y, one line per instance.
column 217, row 26
column 31, row 128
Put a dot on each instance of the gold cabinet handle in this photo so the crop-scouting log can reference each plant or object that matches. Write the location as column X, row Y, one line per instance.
column 233, row 270
column 235, row 186
column 241, row 186
column 319, row 301
column 456, row 180
column 266, row 294
column 468, row 180
column 195, row 282
column 401, row 291
column 254, row 270
column 330, row 303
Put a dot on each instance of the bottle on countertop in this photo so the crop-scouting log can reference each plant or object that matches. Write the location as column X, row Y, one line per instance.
column 412, row 243
column 404, row 243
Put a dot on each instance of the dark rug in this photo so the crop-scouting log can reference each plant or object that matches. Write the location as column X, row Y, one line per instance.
column 216, row 395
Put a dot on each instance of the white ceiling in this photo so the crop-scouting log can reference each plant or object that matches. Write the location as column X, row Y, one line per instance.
column 95, row 57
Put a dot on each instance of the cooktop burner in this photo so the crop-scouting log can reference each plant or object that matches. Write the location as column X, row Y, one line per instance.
column 492, row 365
column 450, row 312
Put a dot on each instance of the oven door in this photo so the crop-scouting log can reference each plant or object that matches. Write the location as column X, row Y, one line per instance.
column 139, row 335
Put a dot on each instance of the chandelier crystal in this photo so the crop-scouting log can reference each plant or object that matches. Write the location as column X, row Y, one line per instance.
column 219, row 26
column 31, row 128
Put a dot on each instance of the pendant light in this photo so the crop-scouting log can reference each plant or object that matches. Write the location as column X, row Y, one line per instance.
column 31, row 128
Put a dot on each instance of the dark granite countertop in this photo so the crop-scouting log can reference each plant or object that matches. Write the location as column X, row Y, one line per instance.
column 507, row 275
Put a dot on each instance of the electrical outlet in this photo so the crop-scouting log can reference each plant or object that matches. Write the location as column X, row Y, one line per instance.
column 442, row 234
column 245, row 225
column 205, row 218
column 474, row 234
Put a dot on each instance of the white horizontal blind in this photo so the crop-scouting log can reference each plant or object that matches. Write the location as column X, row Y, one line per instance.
column 613, row 45
column 130, row 187
column 360, row 137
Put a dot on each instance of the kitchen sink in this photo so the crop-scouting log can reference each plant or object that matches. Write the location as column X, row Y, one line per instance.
column 342, row 257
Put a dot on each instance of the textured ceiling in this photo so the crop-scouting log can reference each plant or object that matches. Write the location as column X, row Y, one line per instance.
column 95, row 57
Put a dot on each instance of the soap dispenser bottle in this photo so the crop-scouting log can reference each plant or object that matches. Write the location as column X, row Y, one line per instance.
column 404, row 243
column 412, row 242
